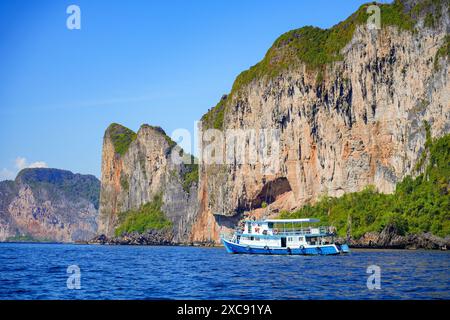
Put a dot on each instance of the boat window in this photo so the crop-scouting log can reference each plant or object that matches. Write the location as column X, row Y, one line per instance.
column 270, row 225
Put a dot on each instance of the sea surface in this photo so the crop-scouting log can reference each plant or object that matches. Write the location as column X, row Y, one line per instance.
column 40, row 271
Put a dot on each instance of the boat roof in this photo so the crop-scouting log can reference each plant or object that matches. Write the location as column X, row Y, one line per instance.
column 292, row 220
column 304, row 220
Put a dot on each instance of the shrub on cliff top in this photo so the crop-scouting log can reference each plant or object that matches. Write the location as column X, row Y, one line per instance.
column 316, row 47
column 121, row 137
column 443, row 52
column 147, row 217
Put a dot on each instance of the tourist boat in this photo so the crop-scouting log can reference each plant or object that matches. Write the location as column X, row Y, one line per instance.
column 284, row 237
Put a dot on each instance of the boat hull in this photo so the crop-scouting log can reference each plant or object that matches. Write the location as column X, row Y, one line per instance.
column 331, row 249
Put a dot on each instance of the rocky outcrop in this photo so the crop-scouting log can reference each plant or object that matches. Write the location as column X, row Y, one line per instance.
column 391, row 238
column 136, row 168
column 148, row 238
column 49, row 204
column 355, row 122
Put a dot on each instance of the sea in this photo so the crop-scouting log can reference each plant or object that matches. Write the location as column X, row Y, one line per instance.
column 79, row 272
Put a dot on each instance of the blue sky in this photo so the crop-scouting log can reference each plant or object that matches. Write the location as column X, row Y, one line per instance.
column 159, row 62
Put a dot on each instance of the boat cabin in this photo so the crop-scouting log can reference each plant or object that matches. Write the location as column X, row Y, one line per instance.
column 284, row 233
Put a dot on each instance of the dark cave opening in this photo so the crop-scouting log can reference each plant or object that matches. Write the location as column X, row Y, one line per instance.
column 270, row 192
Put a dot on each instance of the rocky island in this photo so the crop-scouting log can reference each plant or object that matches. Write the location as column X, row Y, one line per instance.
column 49, row 205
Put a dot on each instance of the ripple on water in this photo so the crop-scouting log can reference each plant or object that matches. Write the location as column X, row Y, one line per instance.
column 39, row 271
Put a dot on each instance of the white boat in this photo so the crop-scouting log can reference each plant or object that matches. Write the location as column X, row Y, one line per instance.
column 285, row 237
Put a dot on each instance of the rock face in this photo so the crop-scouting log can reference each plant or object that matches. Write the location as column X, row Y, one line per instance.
column 135, row 172
column 390, row 238
column 49, row 204
column 357, row 122
column 148, row 238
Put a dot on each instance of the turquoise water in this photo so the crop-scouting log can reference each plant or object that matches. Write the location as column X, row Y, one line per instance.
column 39, row 271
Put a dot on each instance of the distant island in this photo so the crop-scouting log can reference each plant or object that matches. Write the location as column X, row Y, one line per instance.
column 49, row 205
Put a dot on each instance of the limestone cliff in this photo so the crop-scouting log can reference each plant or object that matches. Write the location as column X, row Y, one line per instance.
column 136, row 167
column 349, row 107
column 49, row 204
column 349, row 114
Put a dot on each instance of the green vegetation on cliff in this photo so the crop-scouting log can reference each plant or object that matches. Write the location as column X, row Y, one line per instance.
column 214, row 117
column 315, row 47
column 190, row 176
column 124, row 182
column 443, row 52
column 430, row 9
column 420, row 204
column 147, row 217
column 121, row 137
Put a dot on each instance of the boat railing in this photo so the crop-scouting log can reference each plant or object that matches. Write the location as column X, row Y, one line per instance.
column 228, row 235
column 306, row 231
column 319, row 231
